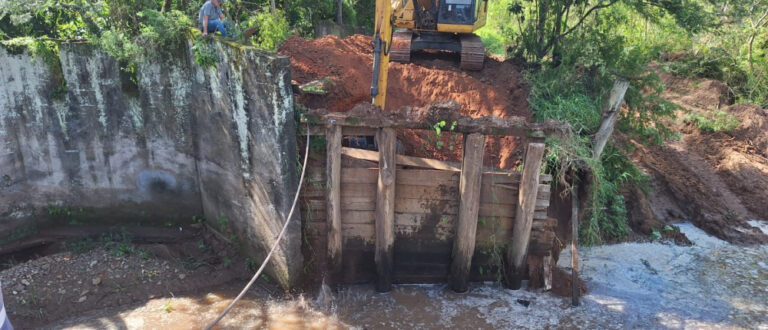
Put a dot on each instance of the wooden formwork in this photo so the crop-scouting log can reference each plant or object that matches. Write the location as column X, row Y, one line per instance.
column 414, row 220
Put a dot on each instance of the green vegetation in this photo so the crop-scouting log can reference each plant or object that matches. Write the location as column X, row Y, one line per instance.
column 713, row 122
column 574, row 50
column 117, row 243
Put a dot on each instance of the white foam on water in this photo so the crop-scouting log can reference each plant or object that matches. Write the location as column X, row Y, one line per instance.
column 712, row 284
column 762, row 225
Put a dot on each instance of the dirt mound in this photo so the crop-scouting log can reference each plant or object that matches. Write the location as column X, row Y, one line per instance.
column 499, row 89
column 718, row 181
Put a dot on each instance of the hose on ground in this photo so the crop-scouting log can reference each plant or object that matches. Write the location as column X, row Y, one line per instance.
column 274, row 247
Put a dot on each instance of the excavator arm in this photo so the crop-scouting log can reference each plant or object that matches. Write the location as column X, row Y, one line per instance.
column 382, row 42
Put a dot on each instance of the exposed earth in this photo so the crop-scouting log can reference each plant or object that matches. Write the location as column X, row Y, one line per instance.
column 717, row 182
column 498, row 90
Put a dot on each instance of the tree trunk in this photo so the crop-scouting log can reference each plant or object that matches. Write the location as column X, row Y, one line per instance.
column 166, row 6
column 610, row 114
column 272, row 6
column 339, row 6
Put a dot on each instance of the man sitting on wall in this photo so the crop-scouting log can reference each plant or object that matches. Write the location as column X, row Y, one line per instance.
column 211, row 18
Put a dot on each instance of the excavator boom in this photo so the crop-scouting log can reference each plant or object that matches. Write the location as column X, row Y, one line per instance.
column 382, row 43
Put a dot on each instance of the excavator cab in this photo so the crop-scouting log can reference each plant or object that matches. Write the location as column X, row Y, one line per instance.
column 439, row 25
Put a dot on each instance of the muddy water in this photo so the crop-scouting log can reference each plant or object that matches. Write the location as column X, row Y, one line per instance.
column 712, row 284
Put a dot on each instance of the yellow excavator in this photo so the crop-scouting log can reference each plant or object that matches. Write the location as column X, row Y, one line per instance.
column 425, row 25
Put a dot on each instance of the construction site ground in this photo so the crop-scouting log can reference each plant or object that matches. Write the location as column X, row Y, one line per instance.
column 717, row 182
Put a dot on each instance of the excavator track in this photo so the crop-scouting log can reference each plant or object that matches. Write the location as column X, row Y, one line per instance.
column 472, row 52
column 401, row 46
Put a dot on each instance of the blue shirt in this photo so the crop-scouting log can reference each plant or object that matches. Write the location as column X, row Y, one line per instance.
column 209, row 9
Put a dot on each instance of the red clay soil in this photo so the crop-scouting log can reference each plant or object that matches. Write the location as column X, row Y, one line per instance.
column 718, row 181
column 499, row 90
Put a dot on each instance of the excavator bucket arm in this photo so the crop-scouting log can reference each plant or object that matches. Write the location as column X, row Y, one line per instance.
column 382, row 41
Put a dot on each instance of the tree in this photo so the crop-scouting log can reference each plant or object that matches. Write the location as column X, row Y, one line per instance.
column 339, row 11
column 543, row 24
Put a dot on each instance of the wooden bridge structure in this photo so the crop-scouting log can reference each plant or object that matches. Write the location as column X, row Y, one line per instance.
column 382, row 217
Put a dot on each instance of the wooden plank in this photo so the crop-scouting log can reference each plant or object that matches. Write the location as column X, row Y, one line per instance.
column 428, row 177
column 547, row 272
column 497, row 210
column 574, row 244
column 524, row 214
column 359, row 204
column 385, row 209
column 362, row 231
column 333, row 206
column 358, row 217
column 403, row 160
column 513, row 177
column 359, row 175
column 411, row 176
column 358, row 131
column 358, row 189
column 469, row 189
column 425, row 226
column 445, row 193
column 490, row 195
column 367, row 115
column 408, row 205
column 345, row 131
column 368, row 155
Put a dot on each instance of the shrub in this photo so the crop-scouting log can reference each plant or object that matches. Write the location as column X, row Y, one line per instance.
column 713, row 122
column 273, row 29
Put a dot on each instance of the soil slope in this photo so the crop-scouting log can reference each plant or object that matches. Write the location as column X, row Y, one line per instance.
column 719, row 181
column 499, row 89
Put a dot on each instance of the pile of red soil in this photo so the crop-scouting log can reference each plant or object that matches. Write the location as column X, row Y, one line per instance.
column 499, row 89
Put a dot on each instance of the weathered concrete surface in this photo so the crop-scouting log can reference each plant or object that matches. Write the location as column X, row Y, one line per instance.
column 183, row 141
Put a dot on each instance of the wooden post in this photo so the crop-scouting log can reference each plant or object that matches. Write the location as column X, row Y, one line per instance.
column 385, row 209
column 469, row 188
column 333, row 208
column 610, row 114
column 574, row 242
column 526, row 205
column 547, row 272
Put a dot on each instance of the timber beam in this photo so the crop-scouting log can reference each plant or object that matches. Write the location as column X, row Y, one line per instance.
column 369, row 116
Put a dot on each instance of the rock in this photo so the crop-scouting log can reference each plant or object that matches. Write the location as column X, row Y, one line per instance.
column 96, row 281
column 182, row 276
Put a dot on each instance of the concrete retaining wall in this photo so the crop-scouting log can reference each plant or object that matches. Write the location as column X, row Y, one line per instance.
column 182, row 141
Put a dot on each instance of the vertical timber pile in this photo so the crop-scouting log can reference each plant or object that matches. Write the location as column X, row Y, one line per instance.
column 469, row 188
column 333, row 185
column 385, row 209
column 574, row 243
column 526, row 205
